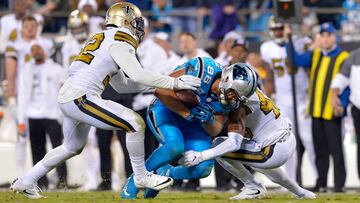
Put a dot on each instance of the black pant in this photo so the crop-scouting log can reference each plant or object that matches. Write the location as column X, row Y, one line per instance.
column 328, row 141
column 38, row 129
column 355, row 112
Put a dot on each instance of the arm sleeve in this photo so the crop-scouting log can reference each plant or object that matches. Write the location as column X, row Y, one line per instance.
column 232, row 143
column 303, row 60
column 123, row 85
column 341, row 79
column 124, row 55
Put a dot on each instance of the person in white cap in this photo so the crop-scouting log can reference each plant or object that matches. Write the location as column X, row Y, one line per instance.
column 224, row 48
column 90, row 7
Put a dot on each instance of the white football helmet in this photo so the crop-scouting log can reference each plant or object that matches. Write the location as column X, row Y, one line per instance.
column 239, row 77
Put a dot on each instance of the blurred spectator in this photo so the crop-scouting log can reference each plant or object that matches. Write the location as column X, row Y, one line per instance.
column 349, row 76
column 78, row 30
column 224, row 16
column 188, row 47
column 47, row 7
column 17, row 53
column 225, row 47
column 39, row 84
column 325, row 62
column 161, row 15
column 239, row 51
column 325, row 4
column 257, row 21
column 10, row 25
column 185, row 20
column 350, row 21
column 90, row 7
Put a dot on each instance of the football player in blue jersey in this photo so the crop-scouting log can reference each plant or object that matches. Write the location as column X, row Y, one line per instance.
column 188, row 129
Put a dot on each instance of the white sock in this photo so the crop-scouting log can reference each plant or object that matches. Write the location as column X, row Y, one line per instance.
column 51, row 160
column 278, row 176
column 237, row 169
column 135, row 147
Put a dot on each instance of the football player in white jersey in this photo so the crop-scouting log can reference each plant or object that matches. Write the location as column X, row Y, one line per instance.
column 108, row 58
column 273, row 52
column 78, row 25
column 259, row 136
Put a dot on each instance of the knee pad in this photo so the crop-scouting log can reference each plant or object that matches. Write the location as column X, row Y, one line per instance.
column 218, row 140
column 140, row 122
column 202, row 170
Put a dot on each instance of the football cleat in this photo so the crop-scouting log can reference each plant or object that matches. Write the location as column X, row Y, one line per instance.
column 250, row 193
column 129, row 190
column 153, row 181
column 164, row 171
column 30, row 191
column 306, row 194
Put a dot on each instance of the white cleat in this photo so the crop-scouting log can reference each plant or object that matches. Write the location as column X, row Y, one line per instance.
column 30, row 191
column 153, row 181
column 250, row 193
column 306, row 194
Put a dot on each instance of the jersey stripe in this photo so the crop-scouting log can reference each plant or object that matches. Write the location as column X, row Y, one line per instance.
column 102, row 114
column 124, row 37
column 256, row 157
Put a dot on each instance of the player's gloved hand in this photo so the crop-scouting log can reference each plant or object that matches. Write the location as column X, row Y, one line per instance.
column 187, row 82
column 202, row 112
column 12, row 107
column 192, row 158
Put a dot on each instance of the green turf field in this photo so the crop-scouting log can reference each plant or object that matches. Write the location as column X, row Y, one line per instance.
column 167, row 197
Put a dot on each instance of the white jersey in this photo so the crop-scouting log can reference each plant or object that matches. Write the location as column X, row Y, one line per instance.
column 276, row 56
column 264, row 124
column 10, row 27
column 20, row 50
column 69, row 51
column 94, row 66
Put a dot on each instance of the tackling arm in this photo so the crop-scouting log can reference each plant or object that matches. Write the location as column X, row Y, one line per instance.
column 128, row 62
column 169, row 98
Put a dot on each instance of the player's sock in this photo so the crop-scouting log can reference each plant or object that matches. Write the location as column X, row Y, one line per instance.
column 278, row 176
column 135, row 147
column 237, row 169
column 51, row 160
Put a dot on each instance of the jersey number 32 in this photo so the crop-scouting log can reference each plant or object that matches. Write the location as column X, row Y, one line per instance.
column 91, row 45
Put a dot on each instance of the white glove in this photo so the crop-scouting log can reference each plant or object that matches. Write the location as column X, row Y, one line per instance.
column 187, row 82
column 192, row 158
column 12, row 108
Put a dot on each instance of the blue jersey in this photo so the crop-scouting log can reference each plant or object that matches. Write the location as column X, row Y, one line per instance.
column 208, row 71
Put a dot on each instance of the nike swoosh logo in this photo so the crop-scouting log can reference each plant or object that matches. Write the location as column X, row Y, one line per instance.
column 168, row 180
column 26, row 192
column 256, row 193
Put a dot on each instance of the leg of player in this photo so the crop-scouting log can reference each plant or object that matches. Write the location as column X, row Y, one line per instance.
column 252, row 189
column 195, row 138
column 110, row 115
column 75, row 136
column 278, row 176
column 164, row 126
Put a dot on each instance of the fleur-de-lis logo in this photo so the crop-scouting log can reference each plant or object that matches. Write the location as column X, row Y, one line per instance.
column 127, row 10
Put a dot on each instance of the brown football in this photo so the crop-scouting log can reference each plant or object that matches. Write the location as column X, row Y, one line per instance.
column 188, row 98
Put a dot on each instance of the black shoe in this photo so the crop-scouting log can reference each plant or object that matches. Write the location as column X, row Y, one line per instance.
column 192, row 186
column 319, row 189
column 104, row 186
column 62, row 184
column 340, row 189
